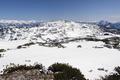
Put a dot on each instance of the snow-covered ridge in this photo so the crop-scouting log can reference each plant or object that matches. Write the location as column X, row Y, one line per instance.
column 34, row 42
column 54, row 30
column 17, row 21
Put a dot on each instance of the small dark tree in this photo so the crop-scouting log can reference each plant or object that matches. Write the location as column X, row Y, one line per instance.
column 114, row 76
column 2, row 50
column 66, row 72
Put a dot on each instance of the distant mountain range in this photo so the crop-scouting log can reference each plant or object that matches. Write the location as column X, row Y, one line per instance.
column 110, row 27
column 23, row 23
column 55, row 30
column 94, row 47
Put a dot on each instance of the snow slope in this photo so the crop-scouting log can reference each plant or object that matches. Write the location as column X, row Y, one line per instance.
column 88, row 56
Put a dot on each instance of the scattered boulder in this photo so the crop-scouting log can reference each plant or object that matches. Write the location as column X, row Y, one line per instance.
column 98, row 47
column 79, row 46
column 102, row 69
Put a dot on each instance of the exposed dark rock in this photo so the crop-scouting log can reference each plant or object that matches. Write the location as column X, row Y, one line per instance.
column 2, row 50
column 102, row 69
column 113, row 76
column 98, row 47
column 108, row 46
column 79, row 46
column 24, row 72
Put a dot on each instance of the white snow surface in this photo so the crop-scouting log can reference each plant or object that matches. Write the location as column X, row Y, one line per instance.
column 86, row 58
column 55, row 30
column 17, row 21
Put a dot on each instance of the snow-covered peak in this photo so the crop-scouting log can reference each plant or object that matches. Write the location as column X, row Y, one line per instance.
column 54, row 30
column 93, row 53
column 17, row 21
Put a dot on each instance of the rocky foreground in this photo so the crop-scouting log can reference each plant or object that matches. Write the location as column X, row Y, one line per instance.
column 24, row 72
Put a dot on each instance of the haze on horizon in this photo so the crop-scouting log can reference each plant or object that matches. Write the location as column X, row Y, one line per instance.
column 78, row 10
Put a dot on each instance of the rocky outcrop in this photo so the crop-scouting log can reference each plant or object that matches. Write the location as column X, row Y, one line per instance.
column 26, row 73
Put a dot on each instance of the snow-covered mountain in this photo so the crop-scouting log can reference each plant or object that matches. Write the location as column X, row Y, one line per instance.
column 106, row 24
column 44, row 31
column 87, row 46
column 109, row 26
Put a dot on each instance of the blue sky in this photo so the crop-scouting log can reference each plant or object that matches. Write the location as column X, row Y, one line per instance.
column 79, row 10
